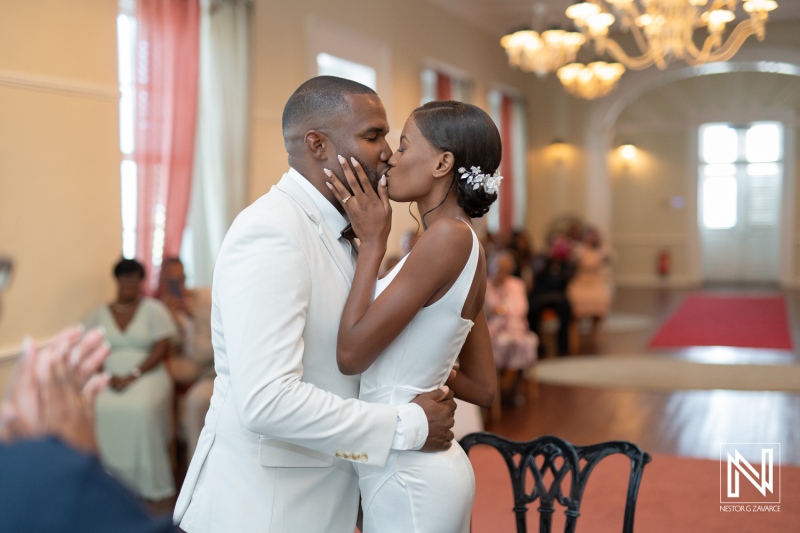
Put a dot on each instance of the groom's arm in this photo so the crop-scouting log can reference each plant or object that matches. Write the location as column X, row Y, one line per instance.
column 264, row 293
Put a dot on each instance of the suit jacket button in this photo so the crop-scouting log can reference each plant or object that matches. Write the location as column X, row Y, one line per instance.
column 356, row 456
column 347, row 455
column 364, row 457
column 338, row 453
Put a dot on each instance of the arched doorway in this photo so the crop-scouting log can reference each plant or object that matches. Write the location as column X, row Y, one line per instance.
column 616, row 116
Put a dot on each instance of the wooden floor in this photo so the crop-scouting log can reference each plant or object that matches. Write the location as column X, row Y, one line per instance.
column 685, row 423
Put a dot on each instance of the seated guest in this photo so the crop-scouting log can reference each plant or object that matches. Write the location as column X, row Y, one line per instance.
column 589, row 292
column 551, row 275
column 133, row 416
column 200, row 352
column 51, row 479
column 513, row 343
column 179, row 300
column 520, row 247
column 192, row 360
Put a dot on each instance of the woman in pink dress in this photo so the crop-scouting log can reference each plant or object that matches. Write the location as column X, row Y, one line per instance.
column 513, row 343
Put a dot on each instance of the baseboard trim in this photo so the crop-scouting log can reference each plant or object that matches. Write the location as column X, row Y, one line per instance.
column 649, row 282
column 646, row 282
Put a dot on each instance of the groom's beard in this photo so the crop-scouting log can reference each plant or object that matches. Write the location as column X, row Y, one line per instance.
column 372, row 173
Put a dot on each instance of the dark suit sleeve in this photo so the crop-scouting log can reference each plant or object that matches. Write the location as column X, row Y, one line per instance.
column 47, row 486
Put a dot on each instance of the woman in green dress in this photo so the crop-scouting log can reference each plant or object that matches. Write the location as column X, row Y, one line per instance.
column 133, row 414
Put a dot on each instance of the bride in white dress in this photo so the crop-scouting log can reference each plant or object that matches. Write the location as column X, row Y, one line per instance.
column 403, row 333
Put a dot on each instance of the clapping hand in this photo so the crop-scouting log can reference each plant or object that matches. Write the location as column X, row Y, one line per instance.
column 54, row 390
column 370, row 212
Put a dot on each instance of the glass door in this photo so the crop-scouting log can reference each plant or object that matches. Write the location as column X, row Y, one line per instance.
column 740, row 181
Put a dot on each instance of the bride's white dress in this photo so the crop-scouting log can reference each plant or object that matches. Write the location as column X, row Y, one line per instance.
column 417, row 491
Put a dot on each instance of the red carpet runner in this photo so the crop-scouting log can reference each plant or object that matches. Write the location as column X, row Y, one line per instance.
column 727, row 320
column 677, row 495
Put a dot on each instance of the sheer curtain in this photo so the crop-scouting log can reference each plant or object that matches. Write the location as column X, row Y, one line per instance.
column 166, row 109
column 221, row 155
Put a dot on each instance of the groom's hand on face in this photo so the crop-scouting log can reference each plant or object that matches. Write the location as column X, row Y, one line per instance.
column 439, row 407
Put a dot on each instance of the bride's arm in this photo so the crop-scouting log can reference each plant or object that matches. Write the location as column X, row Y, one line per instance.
column 367, row 327
column 476, row 378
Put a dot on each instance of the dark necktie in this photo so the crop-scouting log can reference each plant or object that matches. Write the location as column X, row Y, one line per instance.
column 350, row 236
column 348, row 233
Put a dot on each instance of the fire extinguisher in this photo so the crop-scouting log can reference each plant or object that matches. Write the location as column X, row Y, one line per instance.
column 663, row 263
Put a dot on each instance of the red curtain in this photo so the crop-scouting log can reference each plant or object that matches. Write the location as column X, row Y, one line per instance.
column 444, row 87
column 507, row 165
column 166, row 110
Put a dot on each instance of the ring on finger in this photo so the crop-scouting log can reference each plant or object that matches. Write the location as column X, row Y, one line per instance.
column 344, row 200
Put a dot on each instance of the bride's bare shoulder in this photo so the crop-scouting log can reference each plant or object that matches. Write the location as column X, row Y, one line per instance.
column 447, row 238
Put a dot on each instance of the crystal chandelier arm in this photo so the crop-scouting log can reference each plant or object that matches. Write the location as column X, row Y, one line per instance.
column 735, row 40
column 634, row 63
column 641, row 42
column 719, row 4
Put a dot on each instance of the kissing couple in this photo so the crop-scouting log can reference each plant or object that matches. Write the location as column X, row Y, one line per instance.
column 332, row 383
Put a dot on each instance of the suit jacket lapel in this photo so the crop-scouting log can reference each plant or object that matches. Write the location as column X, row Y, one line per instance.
column 329, row 240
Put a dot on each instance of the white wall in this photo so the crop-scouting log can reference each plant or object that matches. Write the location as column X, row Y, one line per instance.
column 59, row 154
column 664, row 124
column 659, row 111
column 405, row 35
column 59, row 160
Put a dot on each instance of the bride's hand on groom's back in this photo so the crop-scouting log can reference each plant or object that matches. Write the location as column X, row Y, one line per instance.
column 440, row 408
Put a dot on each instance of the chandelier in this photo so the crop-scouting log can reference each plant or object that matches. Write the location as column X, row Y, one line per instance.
column 530, row 51
column 664, row 29
column 591, row 81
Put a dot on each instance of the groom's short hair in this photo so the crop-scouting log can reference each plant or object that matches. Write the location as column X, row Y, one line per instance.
column 321, row 98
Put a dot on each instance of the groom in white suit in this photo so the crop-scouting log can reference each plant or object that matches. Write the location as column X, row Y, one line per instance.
column 284, row 427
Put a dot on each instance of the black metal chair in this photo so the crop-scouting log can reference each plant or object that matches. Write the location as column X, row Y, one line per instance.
column 521, row 458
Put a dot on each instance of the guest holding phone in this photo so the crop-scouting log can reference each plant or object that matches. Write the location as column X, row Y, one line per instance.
column 191, row 361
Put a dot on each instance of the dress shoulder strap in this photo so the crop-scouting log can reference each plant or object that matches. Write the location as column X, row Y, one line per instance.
column 464, row 281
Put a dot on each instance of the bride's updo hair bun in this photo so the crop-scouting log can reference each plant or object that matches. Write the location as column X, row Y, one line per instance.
column 472, row 137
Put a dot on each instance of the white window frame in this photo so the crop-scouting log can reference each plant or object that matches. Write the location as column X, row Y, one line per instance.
column 740, row 164
column 126, row 53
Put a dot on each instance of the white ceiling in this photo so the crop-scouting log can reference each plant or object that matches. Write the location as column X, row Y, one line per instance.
column 498, row 17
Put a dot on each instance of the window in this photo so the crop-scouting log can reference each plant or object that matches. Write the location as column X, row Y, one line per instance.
column 740, row 174
column 508, row 112
column 126, row 49
column 438, row 85
column 328, row 65
column 719, row 202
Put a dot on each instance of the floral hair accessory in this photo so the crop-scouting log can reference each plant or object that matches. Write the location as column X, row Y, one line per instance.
column 490, row 183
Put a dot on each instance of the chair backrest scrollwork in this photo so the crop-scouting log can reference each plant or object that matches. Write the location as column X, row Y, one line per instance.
column 549, row 456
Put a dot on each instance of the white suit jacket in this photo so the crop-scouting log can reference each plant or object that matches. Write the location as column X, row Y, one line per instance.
column 281, row 414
